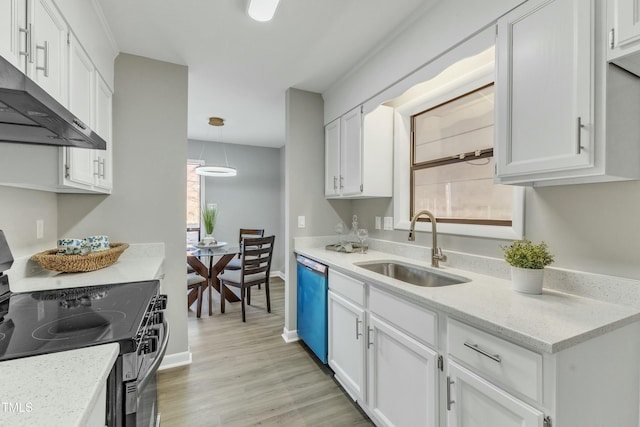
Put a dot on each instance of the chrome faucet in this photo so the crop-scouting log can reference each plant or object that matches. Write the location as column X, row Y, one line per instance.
column 436, row 252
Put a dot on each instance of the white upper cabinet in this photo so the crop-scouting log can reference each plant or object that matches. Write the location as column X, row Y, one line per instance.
column 48, row 48
column 103, row 127
column 544, row 110
column 33, row 37
column 332, row 158
column 359, row 154
column 90, row 100
column 563, row 114
column 623, row 24
column 13, row 27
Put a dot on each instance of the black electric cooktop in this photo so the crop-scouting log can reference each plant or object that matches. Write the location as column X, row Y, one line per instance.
column 49, row 321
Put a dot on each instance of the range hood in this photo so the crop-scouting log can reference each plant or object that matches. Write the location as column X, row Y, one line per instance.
column 29, row 115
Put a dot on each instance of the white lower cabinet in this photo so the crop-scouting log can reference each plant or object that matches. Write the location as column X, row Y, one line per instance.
column 408, row 365
column 403, row 387
column 347, row 345
column 474, row 402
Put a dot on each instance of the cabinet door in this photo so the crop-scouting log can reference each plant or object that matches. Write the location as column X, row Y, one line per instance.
column 403, row 389
column 544, row 92
column 13, row 26
column 474, row 402
column 103, row 125
column 47, row 63
column 80, row 161
column 347, row 345
column 332, row 158
column 351, row 152
column 627, row 21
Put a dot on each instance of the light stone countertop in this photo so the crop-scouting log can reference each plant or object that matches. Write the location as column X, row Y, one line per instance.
column 549, row 322
column 137, row 263
column 56, row 389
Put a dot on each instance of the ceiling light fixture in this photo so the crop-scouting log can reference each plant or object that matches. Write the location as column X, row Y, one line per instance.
column 262, row 10
column 217, row 170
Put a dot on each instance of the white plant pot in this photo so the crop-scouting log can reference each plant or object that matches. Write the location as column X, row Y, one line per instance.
column 527, row 280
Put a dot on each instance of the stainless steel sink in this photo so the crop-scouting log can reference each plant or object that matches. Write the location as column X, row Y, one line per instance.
column 413, row 274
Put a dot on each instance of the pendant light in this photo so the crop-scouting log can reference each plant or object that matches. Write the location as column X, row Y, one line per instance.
column 217, row 170
column 262, row 10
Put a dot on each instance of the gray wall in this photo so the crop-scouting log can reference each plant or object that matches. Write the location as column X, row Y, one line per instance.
column 252, row 199
column 18, row 215
column 150, row 151
column 304, row 183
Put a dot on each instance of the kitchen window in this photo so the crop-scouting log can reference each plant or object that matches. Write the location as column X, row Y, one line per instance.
column 443, row 154
column 452, row 162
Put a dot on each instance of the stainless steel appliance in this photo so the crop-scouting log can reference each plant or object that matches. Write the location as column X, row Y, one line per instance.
column 30, row 115
column 129, row 314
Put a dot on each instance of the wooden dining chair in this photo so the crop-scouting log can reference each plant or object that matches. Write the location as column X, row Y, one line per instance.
column 235, row 264
column 255, row 266
column 197, row 282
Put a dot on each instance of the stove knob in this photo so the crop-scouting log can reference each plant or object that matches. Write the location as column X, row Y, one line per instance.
column 161, row 302
column 158, row 318
column 150, row 345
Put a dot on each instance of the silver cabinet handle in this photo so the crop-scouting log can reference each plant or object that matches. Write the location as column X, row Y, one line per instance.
column 102, row 169
column 358, row 334
column 580, row 127
column 27, row 48
column 369, row 343
column 341, row 181
column 45, row 67
column 449, row 401
column 476, row 347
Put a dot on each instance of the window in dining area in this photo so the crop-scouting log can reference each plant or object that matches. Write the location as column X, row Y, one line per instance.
column 195, row 188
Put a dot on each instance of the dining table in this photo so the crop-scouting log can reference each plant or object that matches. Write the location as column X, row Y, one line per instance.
column 224, row 254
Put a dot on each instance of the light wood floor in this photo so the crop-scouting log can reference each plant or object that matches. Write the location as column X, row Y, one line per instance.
column 244, row 374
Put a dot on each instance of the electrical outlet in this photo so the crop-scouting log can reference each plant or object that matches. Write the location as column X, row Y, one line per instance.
column 388, row 223
column 301, row 221
column 39, row 229
column 378, row 223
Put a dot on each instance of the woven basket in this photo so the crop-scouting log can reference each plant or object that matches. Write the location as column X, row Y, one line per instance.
column 76, row 263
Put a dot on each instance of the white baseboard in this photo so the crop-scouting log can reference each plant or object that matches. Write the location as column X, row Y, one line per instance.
column 279, row 274
column 290, row 336
column 174, row 360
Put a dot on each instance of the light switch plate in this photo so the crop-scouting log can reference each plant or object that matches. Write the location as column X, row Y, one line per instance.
column 39, row 229
column 301, row 221
column 388, row 223
column 378, row 223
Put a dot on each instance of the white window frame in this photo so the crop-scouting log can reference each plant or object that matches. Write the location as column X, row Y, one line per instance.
column 402, row 149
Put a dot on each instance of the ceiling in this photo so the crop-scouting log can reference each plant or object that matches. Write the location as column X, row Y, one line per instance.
column 239, row 69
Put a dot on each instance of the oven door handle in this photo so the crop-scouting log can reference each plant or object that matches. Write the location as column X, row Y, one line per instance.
column 158, row 359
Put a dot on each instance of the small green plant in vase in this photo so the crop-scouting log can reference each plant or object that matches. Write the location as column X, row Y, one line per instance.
column 527, row 262
column 209, row 217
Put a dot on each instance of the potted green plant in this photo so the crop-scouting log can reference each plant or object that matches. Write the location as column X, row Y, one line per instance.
column 209, row 217
column 527, row 262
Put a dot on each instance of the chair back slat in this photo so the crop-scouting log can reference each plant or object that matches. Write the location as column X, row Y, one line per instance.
column 256, row 255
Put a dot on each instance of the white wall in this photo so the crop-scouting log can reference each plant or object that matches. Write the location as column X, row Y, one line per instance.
column 447, row 24
column 149, row 157
column 252, row 199
column 19, row 211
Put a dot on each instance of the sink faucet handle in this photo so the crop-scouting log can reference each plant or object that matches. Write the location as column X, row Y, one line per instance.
column 439, row 255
